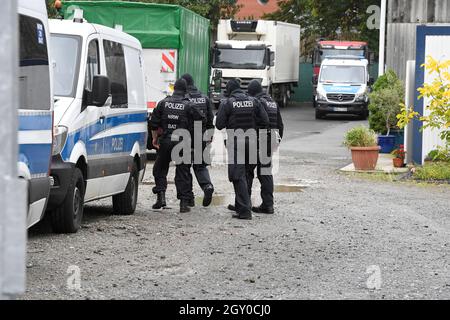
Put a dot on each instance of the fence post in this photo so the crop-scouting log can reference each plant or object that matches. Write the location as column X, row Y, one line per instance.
column 12, row 190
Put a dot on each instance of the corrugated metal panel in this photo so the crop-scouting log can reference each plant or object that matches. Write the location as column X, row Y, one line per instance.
column 401, row 47
column 418, row 11
column 403, row 18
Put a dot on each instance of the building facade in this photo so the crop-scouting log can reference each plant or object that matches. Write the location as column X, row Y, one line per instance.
column 255, row 9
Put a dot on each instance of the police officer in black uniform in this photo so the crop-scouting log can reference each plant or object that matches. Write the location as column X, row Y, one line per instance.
column 172, row 113
column 202, row 103
column 272, row 137
column 242, row 112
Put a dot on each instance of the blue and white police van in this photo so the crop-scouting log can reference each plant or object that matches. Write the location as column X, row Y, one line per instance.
column 100, row 119
column 343, row 87
column 35, row 134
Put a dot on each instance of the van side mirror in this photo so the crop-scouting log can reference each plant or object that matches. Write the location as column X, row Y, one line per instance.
column 371, row 81
column 101, row 89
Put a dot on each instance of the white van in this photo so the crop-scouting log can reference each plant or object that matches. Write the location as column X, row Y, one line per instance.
column 100, row 120
column 343, row 86
column 35, row 106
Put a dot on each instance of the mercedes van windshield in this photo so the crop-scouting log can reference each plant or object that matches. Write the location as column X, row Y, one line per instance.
column 343, row 74
column 65, row 61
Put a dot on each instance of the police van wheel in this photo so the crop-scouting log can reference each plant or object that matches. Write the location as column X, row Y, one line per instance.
column 125, row 203
column 68, row 217
column 319, row 115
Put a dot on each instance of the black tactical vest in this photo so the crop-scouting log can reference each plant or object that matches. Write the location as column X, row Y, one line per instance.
column 272, row 110
column 243, row 112
column 174, row 115
column 198, row 101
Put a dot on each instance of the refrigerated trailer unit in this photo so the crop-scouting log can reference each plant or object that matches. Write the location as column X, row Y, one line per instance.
column 174, row 40
column 265, row 50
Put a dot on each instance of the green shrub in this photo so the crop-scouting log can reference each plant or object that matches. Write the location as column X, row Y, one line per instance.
column 360, row 137
column 440, row 154
column 387, row 94
column 433, row 171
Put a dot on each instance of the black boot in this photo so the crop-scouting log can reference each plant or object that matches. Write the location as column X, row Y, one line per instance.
column 262, row 209
column 191, row 202
column 231, row 207
column 247, row 216
column 184, row 206
column 160, row 200
column 209, row 190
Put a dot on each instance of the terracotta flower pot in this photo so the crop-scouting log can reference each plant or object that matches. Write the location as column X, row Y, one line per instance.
column 365, row 158
column 398, row 163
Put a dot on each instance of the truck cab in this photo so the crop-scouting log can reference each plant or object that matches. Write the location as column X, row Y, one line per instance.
column 343, row 87
column 35, row 106
column 246, row 60
column 267, row 51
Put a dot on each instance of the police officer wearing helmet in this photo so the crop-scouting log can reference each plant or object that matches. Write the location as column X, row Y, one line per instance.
column 172, row 113
column 272, row 137
column 240, row 112
column 202, row 103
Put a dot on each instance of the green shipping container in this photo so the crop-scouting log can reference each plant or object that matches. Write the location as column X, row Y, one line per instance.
column 157, row 26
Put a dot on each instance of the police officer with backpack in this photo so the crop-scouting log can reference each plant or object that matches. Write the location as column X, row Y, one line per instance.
column 240, row 113
column 202, row 103
column 173, row 113
column 271, row 138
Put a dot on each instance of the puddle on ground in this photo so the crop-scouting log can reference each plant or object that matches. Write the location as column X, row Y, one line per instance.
column 225, row 200
column 284, row 188
column 217, row 201
column 152, row 183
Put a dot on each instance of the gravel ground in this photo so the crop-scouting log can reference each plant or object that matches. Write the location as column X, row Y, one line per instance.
column 332, row 234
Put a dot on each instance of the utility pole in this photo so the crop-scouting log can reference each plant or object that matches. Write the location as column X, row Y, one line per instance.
column 382, row 49
column 13, row 192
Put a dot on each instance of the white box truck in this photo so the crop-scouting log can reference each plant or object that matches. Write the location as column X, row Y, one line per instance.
column 268, row 51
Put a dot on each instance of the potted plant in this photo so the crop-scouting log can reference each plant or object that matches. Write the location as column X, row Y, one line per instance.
column 399, row 157
column 362, row 142
column 385, row 99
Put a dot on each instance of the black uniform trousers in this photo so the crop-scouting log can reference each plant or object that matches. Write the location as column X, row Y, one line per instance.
column 183, row 177
column 264, row 174
column 237, row 175
column 201, row 169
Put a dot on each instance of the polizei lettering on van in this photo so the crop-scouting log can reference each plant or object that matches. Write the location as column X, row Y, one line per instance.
column 243, row 104
column 176, row 106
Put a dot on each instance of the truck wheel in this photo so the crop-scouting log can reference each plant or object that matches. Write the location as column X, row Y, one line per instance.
column 125, row 203
column 283, row 98
column 67, row 218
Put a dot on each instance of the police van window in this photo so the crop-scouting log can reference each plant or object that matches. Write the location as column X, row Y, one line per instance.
column 65, row 62
column 116, row 70
column 92, row 64
column 34, row 76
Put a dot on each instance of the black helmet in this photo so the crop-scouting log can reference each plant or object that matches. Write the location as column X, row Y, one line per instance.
column 180, row 86
column 188, row 78
column 232, row 85
column 254, row 88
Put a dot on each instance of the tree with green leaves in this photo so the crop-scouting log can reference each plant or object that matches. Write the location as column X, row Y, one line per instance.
column 336, row 20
